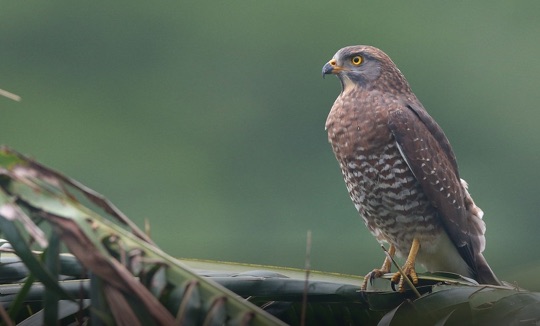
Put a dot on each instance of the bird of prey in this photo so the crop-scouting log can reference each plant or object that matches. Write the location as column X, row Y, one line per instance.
column 400, row 171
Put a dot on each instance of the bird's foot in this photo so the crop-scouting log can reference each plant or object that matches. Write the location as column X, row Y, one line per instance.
column 371, row 276
column 378, row 272
column 399, row 279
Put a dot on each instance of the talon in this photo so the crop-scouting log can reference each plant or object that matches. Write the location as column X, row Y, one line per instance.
column 399, row 279
column 372, row 276
column 396, row 278
column 401, row 285
column 414, row 277
column 393, row 286
column 379, row 272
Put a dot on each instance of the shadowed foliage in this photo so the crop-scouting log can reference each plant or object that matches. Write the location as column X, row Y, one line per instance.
column 115, row 275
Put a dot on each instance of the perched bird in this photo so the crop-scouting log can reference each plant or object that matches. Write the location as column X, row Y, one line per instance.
column 401, row 172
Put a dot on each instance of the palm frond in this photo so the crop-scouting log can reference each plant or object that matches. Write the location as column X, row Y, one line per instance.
column 115, row 275
column 135, row 276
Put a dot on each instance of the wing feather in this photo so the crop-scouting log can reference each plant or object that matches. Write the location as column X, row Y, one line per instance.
column 428, row 153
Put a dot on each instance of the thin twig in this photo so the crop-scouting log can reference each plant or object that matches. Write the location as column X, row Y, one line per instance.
column 306, row 284
column 409, row 282
column 9, row 95
column 147, row 227
column 5, row 316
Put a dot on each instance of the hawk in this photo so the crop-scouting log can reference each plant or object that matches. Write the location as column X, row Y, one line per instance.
column 400, row 171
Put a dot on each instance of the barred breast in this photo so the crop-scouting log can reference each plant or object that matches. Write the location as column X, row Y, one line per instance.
column 379, row 181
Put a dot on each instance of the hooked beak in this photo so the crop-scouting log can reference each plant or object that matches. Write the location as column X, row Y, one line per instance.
column 331, row 67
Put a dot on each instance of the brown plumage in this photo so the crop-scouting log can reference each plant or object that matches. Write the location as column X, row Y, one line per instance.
column 400, row 170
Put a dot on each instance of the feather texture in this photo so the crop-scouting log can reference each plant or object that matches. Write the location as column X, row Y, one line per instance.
column 399, row 167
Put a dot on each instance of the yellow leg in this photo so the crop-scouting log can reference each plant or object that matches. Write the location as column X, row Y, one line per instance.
column 386, row 266
column 383, row 270
column 408, row 268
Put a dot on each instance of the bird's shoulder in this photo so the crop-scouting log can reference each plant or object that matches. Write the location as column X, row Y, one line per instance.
column 411, row 125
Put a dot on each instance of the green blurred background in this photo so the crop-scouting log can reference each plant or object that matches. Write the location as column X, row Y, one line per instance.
column 208, row 118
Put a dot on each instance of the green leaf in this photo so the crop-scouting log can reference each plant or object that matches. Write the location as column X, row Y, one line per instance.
column 130, row 268
column 51, row 297
column 22, row 248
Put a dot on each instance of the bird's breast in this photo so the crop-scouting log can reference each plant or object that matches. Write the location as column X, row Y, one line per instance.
column 379, row 181
column 358, row 125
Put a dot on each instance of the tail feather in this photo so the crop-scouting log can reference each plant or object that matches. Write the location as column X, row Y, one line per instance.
column 484, row 274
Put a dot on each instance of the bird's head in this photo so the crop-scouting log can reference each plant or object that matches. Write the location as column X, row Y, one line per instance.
column 362, row 65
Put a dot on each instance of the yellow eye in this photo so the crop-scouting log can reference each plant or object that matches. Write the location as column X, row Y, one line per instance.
column 357, row 60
